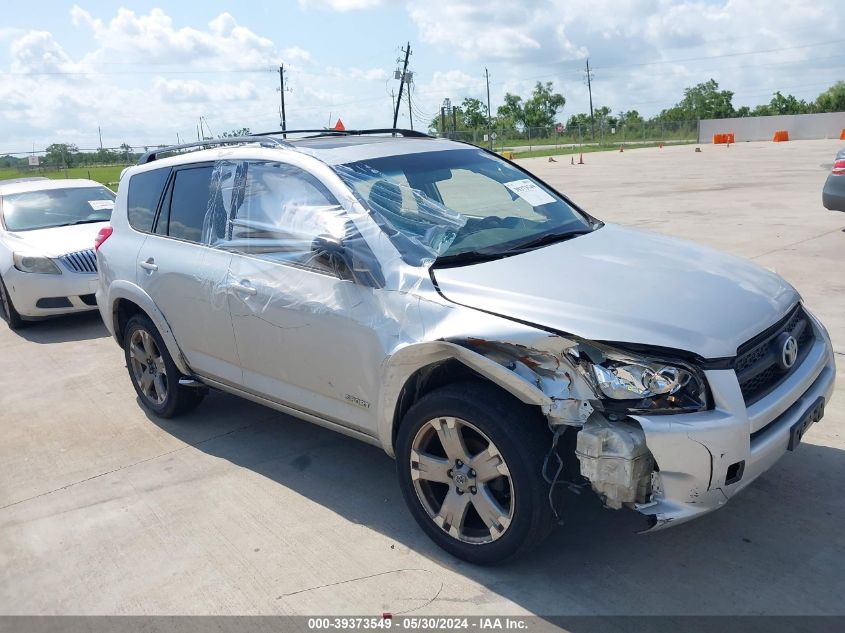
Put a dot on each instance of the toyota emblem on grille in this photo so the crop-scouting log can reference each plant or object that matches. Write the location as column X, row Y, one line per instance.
column 788, row 350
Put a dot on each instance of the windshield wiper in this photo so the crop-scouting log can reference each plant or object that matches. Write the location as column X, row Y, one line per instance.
column 467, row 257
column 84, row 222
column 544, row 240
column 489, row 254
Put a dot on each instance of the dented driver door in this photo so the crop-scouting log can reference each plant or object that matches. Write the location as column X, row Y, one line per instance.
column 305, row 335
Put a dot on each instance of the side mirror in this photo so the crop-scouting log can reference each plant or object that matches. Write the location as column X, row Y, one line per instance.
column 349, row 260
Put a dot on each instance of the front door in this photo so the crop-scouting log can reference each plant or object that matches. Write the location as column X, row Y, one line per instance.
column 306, row 336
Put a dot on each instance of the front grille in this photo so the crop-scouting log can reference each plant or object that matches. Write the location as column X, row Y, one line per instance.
column 757, row 364
column 80, row 261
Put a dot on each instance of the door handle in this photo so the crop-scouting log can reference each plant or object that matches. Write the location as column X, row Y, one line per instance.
column 244, row 288
column 149, row 265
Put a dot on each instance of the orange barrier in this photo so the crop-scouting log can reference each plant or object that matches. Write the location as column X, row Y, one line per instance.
column 724, row 137
column 842, row 135
column 781, row 135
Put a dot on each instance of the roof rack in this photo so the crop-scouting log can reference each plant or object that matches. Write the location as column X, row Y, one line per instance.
column 265, row 140
column 331, row 132
column 271, row 139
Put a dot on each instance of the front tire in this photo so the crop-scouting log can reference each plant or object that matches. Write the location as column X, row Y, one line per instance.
column 7, row 309
column 153, row 372
column 470, row 462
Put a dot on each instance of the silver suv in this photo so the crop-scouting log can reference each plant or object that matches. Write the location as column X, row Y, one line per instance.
column 436, row 300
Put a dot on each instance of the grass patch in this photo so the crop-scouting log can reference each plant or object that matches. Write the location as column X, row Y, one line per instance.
column 108, row 175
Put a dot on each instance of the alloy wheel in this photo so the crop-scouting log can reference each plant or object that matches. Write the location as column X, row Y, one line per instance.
column 148, row 367
column 462, row 480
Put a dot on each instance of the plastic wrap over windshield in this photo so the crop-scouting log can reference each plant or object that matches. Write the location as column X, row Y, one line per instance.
column 423, row 228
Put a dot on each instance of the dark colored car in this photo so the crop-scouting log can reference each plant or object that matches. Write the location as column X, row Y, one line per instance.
column 833, row 194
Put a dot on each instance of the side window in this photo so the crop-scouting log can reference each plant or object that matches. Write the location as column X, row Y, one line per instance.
column 280, row 213
column 190, row 200
column 144, row 194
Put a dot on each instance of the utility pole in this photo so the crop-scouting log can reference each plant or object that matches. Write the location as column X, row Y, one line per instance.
column 410, row 113
column 590, row 90
column 100, row 132
column 407, row 51
column 489, row 120
column 282, row 93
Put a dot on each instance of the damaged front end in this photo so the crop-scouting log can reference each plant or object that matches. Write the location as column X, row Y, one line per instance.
column 595, row 392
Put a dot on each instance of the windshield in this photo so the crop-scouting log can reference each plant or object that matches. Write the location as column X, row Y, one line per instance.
column 458, row 202
column 57, row 207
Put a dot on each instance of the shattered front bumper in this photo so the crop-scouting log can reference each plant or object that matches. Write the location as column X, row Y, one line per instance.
column 705, row 458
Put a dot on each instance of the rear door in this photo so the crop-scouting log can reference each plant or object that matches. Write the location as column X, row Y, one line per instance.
column 186, row 276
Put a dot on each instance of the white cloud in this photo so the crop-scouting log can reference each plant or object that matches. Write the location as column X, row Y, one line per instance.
column 153, row 39
column 194, row 91
column 38, row 51
column 341, row 5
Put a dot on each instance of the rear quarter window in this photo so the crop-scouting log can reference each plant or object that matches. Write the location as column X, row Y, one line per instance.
column 145, row 191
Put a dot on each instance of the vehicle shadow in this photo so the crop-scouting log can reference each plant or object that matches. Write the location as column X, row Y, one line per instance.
column 776, row 549
column 83, row 326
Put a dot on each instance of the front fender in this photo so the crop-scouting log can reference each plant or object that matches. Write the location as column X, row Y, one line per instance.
column 129, row 291
column 404, row 363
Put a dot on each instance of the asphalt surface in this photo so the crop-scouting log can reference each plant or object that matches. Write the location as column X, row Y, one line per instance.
column 237, row 509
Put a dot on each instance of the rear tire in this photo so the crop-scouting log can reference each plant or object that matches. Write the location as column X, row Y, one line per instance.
column 7, row 310
column 470, row 462
column 153, row 372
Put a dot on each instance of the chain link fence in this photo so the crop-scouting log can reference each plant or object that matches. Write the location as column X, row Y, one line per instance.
column 105, row 164
column 602, row 135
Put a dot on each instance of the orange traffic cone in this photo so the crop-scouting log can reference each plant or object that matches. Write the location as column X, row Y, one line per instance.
column 572, row 161
column 660, row 146
column 581, row 159
column 621, row 149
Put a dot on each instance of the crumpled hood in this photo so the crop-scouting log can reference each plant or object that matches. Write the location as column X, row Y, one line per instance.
column 630, row 286
column 55, row 241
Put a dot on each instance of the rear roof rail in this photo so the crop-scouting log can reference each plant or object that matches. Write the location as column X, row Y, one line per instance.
column 331, row 132
column 265, row 140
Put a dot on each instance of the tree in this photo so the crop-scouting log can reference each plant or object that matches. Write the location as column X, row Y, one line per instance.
column 510, row 113
column 787, row 105
column 832, row 99
column 703, row 101
column 61, row 154
column 541, row 109
column 244, row 131
column 473, row 113
column 580, row 120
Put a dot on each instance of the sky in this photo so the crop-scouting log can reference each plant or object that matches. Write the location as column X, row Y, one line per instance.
column 145, row 72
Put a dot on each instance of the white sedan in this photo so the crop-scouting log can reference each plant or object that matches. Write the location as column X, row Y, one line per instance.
column 47, row 232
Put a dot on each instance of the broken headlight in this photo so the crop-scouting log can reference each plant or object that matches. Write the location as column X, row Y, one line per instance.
column 630, row 384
